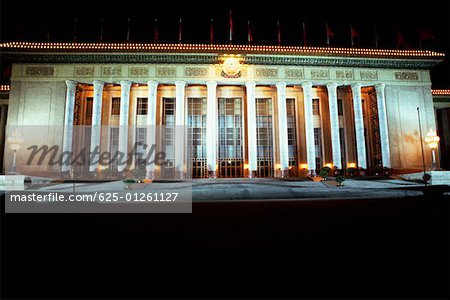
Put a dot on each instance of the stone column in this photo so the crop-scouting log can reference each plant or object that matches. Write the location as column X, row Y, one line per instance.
column 179, row 128
column 359, row 126
column 96, row 124
column 334, row 124
column 382, row 117
column 211, row 129
column 251, row 130
column 123, row 124
column 282, row 127
column 309, row 128
column 68, row 123
column 151, row 126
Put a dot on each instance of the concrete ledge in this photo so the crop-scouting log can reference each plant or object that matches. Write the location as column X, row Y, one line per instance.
column 437, row 177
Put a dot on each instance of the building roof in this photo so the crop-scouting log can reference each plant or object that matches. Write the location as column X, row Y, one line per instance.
column 210, row 53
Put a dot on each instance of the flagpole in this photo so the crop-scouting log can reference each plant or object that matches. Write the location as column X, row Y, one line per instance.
column 231, row 28
column 156, row 35
column 75, row 29
column 211, row 31
column 279, row 33
column 304, row 34
column 180, row 31
column 128, row 30
column 249, row 34
column 328, row 36
column 101, row 29
column 376, row 36
column 351, row 35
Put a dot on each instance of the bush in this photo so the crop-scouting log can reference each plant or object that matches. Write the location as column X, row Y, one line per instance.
column 340, row 180
column 326, row 169
column 351, row 171
column 323, row 174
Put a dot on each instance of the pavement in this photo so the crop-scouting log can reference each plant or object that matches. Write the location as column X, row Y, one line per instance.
column 245, row 189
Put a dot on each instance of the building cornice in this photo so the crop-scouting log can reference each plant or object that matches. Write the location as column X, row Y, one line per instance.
column 211, row 54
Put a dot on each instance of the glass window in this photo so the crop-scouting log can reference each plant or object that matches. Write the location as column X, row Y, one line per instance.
column 340, row 107
column 141, row 106
column 316, row 107
column 115, row 106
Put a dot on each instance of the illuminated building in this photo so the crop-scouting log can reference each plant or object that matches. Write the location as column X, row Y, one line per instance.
column 266, row 111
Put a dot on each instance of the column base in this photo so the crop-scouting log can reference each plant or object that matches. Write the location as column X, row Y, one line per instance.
column 311, row 173
column 285, row 173
column 179, row 175
column 252, row 174
column 66, row 175
column 93, row 175
column 150, row 175
column 121, row 174
column 212, row 174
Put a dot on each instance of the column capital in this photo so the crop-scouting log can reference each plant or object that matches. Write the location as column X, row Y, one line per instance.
column 125, row 83
column 152, row 83
column 211, row 84
column 250, row 84
column 98, row 83
column 356, row 85
column 331, row 85
column 180, row 83
column 380, row 87
column 281, row 84
column 71, row 83
column 307, row 85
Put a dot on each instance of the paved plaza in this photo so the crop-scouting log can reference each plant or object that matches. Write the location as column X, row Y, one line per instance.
column 254, row 189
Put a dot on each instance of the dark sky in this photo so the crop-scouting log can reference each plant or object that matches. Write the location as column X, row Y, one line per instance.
column 32, row 20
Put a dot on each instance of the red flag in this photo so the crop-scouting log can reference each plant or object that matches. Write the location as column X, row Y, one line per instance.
column 400, row 38
column 231, row 28
column 211, row 32
column 353, row 34
column 330, row 33
column 425, row 34
column 250, row 36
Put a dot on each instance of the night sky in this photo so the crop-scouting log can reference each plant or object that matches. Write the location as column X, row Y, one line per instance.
column 54, row 21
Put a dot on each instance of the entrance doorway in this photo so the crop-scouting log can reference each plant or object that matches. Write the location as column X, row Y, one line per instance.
column 230, row 141
column 264, row 137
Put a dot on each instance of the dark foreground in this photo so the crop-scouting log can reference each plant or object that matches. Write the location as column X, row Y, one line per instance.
column 386, row 248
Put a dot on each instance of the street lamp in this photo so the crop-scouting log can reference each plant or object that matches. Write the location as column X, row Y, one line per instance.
column 15, row 140
column 432, row 141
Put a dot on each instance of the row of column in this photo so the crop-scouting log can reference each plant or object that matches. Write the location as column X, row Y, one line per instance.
column 211, row 142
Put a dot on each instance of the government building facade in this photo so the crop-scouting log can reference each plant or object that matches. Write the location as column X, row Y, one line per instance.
column 247, row 111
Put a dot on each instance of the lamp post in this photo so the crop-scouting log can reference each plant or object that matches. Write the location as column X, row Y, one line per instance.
column 432, row 141
column 15, row 140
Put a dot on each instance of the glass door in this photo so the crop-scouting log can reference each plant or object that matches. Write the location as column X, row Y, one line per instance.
column 196, row 122
column 264, row 137
column 168, row 137
column 231, row 157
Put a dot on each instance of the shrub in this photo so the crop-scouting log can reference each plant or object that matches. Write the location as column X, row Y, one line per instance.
column 351, row 171
column 340, row 180
column 326, row 169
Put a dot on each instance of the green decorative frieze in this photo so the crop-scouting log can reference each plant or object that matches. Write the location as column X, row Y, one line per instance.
column 84, row 71
column 294, row 73
column 40, row 71
column 344, row 74
column 254, row 59
column 408, row 76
